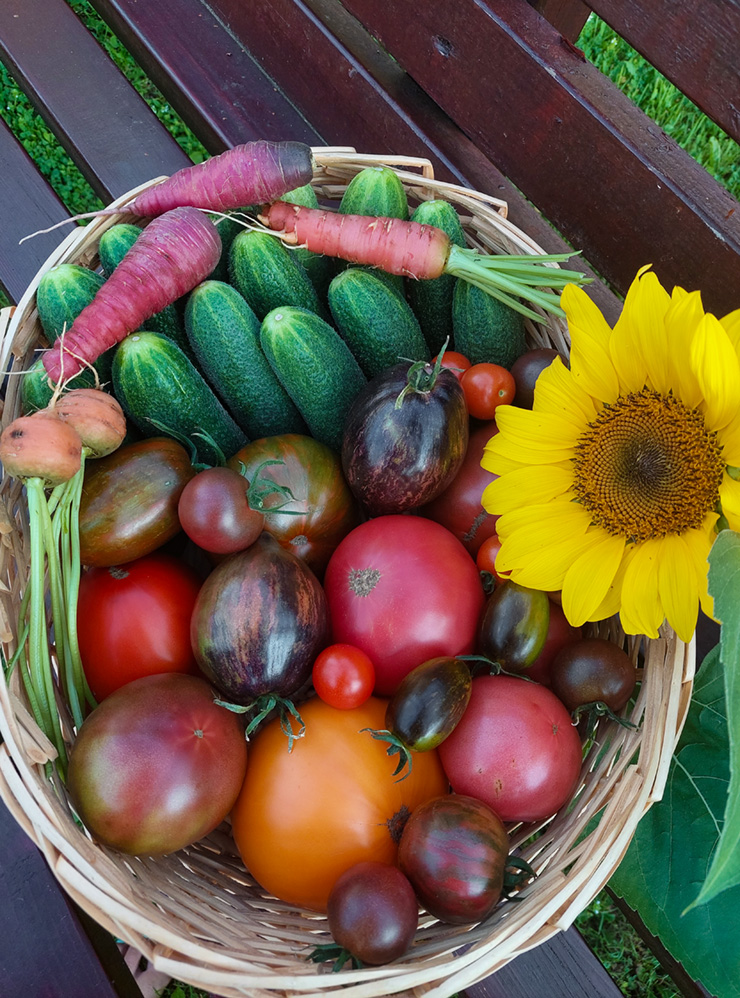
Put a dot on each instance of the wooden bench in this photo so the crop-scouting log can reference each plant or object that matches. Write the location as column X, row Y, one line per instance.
column 499, row 97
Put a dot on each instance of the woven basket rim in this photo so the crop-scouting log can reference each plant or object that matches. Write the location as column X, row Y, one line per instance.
column 173, row 909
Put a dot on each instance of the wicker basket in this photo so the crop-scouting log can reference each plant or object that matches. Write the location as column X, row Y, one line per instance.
column 197, row 915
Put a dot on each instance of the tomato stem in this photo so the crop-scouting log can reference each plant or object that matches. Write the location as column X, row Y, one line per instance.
column 335, row 952
column 396, row 747
column 264, row 705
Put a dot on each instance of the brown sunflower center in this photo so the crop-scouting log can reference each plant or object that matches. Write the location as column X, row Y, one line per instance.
column 648, row 466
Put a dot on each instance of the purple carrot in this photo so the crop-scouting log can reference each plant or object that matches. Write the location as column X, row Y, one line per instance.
column 174, row 253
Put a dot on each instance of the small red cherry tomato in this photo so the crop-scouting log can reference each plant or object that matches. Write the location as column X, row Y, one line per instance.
column 485, row 559
column 343, row 676
column 486, row 387
column 456, row 362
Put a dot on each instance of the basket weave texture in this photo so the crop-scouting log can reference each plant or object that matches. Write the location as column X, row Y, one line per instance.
column 197, row 915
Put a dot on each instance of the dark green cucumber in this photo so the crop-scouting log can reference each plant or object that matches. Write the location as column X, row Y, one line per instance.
column 268, row 275
column 113, row 246
column 159, row 387
column 320, row 269
column 432, row 300
column 36, row 391
column 316, row 368
column 377, row 190
column 224, row 334
column 229, row 226
column 376, row 323
column 484, row 329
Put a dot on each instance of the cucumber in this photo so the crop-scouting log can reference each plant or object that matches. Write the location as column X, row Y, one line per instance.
column 316, row 368
column 376, row 323
column 484, row 329
column 377, row 190
column 158, row 386
column 432, row 300
column 268, row 275
column 113, row 246
column 36, row 392
column 228, row 228
column 224, row 334
column 62, row 294
column 320, row 269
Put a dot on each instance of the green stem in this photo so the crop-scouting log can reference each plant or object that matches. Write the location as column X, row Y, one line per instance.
column 72, row 586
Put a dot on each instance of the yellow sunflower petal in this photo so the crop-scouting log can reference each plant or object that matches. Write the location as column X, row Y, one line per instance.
column 545, row 568
column 681, row 320
column 536, row 429
column 557, row 391
column 590, row 361
column 591, row 574
column 539, row 524
column 502, row 454
column 678, row 585
column 613, row 598
column 534, row 484
column 731, row 325
column 717, row 368
column 642, row 611
column 729, row 439
column 729, row 496
column 700, row 544
column 652, row 303
column 625, row 347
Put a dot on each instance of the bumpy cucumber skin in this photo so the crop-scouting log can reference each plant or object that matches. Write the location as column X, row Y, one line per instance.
column 316, row 368
column 377, row 324
column 268, row 276
column 320, row 269
column 156, row 382
column 224, row 334
column 37, row 392
column 486, row 330
column 114, row 244
column 432, row 300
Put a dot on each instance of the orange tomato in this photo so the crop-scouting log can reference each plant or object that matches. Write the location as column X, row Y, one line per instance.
column 304, row 817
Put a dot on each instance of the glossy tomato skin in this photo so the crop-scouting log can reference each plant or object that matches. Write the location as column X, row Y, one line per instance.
column 454, row 850
column 429, row 702
column 404, row 590
column 373, row 913
column 313, row 473
column 560, row 632
column 214, row 512
column 129, row 501
column 459, row 506
column 527, row 368
column 401, row 449
column 593, row 670
column 486, row 387
column 304, row 817
column 343, row 676
column 259, row 622
column 515, row 749
column 157, row 765
column 133, row 620
column 514, row 626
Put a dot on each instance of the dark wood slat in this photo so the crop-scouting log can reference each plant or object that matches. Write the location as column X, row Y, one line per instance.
column 218, row 89
column 356, row 94
column 44, row 950
column 27, row 203
column 568, row 16
column 99, row 118
column 598, row 168
column 561, row 967
column 692, row 42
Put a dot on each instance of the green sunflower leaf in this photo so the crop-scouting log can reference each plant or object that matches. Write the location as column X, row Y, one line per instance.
column 669, row 857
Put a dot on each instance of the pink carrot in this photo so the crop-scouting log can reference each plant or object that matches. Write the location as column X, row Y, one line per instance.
column 174, row 253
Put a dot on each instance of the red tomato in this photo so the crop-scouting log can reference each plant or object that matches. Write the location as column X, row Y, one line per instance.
column 214, row 511
column 304, row 817
column 456, row 362
column 404, row 590
column 343, row 676
column 559, row 634
column 515, row 749
column 486, row 387
column 485, row 559
column 133, row 620
column 459, row 507
column 157, row 766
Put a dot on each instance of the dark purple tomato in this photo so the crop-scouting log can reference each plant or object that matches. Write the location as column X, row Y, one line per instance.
column 405, row 438
column 429, row 702
column 259, row 622
column 157, row 765
column 560, row 632
column 593, row 670
column 514, row 626
column 215, row 513
column 526, row 369
column 373, row 912
column 454, row 849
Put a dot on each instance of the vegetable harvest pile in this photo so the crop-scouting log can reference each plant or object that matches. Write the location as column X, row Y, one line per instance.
column 252, row 459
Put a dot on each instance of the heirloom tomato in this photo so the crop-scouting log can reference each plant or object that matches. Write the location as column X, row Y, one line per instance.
column 515, row 749
column 216, row 514
column 133, row 620
column 560, row 632
column 486, row 387
column 343, row 676
column 404, row 590
column 304, row 817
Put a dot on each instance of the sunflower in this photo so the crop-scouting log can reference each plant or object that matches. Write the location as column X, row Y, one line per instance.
column 613, row 486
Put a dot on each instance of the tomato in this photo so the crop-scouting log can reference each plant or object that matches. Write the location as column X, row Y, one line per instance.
column 157, row 765
column 456, row 362
column 304, row 817
column 514, row 626
column 343, row 676
column 560, row 632
column 215, row 512
column 486, row 387
column 593, row 671
column 459, row 507
column 129, row 500
column 485, row 559
column 454, row 850
column 527, row 368
column 133, row 620
column 373, row 913
column 404, row 590
column 515, row 749
column 326, row 508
